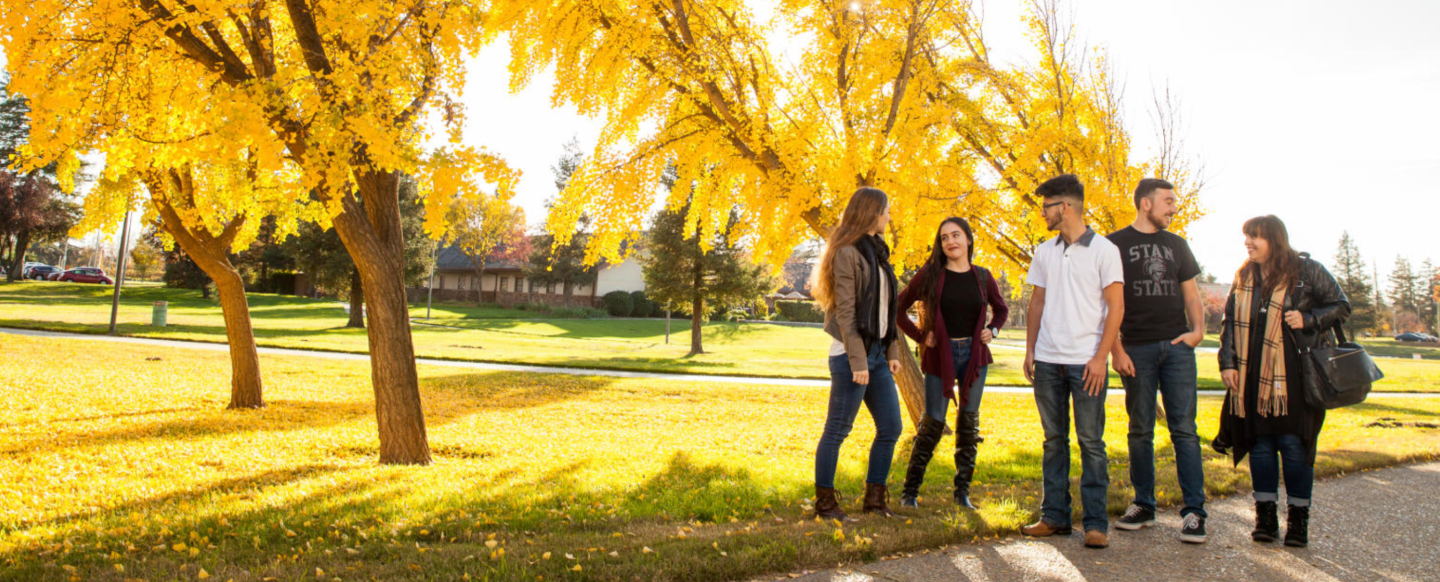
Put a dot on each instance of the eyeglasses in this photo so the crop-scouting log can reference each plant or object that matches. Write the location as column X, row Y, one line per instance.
column 1052, row 204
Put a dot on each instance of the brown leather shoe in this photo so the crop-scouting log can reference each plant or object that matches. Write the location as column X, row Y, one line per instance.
column 1042, row 528
column 1096, row 539
column 876, row 498
column 827, row 505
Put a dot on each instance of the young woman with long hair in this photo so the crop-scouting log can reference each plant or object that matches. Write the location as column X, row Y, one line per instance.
column 954, row 295
column 1281, row 302
column 856, row 287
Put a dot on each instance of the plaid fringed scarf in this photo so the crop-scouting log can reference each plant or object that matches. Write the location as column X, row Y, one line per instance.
column 1272, row 399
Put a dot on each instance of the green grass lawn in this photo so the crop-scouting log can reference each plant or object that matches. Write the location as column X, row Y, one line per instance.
column 123, row 464
column 463, row 332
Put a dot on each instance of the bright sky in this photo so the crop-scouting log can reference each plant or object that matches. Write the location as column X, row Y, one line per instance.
column 1313, row 111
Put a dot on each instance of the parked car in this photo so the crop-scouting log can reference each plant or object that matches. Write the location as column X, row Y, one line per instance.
column 41, row 272
column 1414, row 337
column 85, row 275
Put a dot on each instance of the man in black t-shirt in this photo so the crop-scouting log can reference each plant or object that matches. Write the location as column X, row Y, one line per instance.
column 1156, row 354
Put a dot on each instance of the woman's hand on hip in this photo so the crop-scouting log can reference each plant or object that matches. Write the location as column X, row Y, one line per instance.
column 894, row 366
column 930, row 340
column 986, row 336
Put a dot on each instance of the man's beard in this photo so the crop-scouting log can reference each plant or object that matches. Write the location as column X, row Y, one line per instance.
column 1160, row 221
column 1053, row 224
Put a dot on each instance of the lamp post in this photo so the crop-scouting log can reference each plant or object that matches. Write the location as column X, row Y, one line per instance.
column 120, row 269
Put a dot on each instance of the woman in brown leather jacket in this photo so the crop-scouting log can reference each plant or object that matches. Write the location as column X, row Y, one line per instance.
column 856, row 286
column 1281, row 302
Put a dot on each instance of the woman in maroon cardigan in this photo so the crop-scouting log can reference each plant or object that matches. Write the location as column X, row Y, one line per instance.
column 953, row 294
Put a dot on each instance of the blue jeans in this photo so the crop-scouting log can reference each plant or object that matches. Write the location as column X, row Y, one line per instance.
column 1056, row 385
column 1265, row 469
column 935, row 402
column 879, row 397
column 1170, row 371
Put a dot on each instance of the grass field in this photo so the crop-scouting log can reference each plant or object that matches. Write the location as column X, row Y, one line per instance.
column 461, row 332
column 121, row 464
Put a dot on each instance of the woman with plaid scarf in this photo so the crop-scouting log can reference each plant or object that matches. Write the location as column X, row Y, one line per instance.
column 1281, row 302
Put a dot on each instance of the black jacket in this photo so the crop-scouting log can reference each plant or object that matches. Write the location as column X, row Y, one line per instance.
column 1322, row 304
column 1315, row 294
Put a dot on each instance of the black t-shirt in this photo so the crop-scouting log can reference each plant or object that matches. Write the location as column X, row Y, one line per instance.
column 960, row 303
column 1155, row 266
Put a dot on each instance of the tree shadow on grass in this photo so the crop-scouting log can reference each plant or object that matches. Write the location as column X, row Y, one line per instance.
column 202, row 423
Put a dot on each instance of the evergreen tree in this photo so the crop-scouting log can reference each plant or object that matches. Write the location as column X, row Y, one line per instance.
column 679, row 270
column 564, row 266
column 1402, row 286
column 1355, row 282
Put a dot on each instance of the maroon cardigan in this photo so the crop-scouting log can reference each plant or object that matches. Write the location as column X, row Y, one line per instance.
column 936, row 361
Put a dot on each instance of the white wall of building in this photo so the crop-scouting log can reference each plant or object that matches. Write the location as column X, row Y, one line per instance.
column 625, row 276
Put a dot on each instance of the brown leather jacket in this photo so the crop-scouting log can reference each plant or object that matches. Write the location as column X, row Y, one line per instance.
column 850, row 271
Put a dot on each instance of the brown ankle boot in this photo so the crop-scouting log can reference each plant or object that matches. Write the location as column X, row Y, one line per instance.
column 827, row 505
column 876, row 496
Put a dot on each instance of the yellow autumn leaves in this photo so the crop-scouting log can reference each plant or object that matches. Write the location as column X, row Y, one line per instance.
column 897, row 94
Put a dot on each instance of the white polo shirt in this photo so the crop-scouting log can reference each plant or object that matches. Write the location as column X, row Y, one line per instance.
column 1074, row 277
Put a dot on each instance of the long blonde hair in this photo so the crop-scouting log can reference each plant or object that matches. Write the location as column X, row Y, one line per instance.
column 861, row 214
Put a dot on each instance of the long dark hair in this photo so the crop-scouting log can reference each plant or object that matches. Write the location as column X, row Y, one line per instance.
column 928, row 277
column 1282, row 265
column 864, row 208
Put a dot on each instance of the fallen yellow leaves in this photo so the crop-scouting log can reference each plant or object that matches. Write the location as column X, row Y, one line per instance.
column 310, row 458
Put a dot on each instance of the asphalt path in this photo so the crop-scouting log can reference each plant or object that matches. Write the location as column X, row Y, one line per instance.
column 1375, row 525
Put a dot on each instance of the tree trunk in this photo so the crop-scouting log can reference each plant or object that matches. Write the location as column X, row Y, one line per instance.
column 17, row 255
column 372, row 235
column 246, row 390
column 697, row 307
column 209, row 253
column 569, row 292
column 357, row 301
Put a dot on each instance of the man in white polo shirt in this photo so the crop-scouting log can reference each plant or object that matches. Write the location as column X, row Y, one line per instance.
column 1075, row 312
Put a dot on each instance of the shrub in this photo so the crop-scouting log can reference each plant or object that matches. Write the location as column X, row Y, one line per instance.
column 619, row 303
column 806, row 311
column 535, row 306
column 644, row 307
column 578, row 313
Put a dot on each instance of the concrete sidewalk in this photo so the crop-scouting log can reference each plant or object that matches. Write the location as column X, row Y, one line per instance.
column 1378, row 525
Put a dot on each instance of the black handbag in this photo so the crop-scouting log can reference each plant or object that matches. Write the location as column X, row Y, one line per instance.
column 1338, row 376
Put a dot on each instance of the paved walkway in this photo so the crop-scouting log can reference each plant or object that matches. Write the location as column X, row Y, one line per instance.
column 220, row 347
column 1378, row 525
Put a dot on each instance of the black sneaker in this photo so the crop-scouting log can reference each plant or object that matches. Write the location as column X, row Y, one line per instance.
column 909, row 501
column 1192, row 529
column 1135, row 518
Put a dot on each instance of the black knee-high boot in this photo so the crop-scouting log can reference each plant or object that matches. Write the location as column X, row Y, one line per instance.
column 927, row 437
column 967, row 439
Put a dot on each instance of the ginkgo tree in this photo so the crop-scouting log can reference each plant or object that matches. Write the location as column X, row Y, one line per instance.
column 896, row 94
column 339, row 89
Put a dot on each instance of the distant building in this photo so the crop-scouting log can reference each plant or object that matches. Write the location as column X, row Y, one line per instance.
column 505, row 282
column 795, row 285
